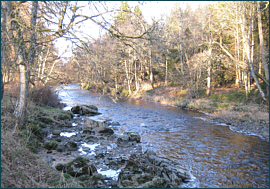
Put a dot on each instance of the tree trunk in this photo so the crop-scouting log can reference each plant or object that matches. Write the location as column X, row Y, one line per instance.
column 247, row 50
column 135, row 72
column 32, row 48
column 263, row 52
column 166, row 77
column 151, row 68
column 21, row 109
column 249, row 81
column 128, row 78
column 246, row 82
column 2, row 86
column 237, row 75
column 208, row 92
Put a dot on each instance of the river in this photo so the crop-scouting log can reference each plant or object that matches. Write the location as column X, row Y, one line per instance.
column 215, row 155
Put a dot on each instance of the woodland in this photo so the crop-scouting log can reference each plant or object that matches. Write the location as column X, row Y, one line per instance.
column 223, row 44
column 214, row 59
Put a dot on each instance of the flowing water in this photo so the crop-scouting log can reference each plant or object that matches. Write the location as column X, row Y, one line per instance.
column 215, row 155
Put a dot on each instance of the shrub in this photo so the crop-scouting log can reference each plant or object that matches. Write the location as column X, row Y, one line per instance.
column 46, row 97
column 124, row 91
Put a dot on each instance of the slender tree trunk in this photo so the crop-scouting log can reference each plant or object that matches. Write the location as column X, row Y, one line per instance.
column 166, row 76
column 249, row 81
column 237, row 75
column 263, row 52
column 3, row 41
column 246, row 82
column 151, row 68
column 135, row 72
column 2, row 86
column 128, row 78
column 247, row 50
column 208, row 92
column 33, row 41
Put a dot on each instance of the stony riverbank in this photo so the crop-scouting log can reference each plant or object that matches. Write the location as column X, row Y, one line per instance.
column 90, row 151
column 251, row 128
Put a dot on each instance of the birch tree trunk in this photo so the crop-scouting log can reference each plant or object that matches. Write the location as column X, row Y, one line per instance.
column 128, row 78
column 208, row 92
column 151, row 67
column 166, row 76
column 135, row 72
column 21, row 109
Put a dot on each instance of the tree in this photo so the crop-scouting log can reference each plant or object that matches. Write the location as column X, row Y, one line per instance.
column 264, row 54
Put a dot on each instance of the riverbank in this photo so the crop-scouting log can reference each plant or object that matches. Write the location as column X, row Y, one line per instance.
column 57, row 148
column 225, row 105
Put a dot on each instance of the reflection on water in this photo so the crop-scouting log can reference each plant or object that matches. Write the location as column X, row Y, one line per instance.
column 215, row 155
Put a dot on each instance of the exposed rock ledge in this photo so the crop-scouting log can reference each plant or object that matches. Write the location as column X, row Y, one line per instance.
column 121, row 154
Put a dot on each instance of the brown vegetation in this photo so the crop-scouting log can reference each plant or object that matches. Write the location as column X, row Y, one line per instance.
column 20, row 166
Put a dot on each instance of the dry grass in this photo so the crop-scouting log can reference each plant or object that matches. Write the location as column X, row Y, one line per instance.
column 224, row 109
column 249, row 113
column 20, row 167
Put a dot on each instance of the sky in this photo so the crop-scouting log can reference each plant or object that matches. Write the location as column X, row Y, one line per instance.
column 150, row 9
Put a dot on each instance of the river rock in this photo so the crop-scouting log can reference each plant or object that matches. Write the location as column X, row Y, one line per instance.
column 71, row 146
column 115, row 124
column 88, row 131
column 150, row 171
column 91, row 139
column 99, row 127
column 56, row 132
column 77, row 167
column 90, row 110
column 128, row 139
column 134, row 136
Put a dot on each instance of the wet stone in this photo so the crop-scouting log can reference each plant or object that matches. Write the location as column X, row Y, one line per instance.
column 71, row 146
column 91, row 139
column 56, row 132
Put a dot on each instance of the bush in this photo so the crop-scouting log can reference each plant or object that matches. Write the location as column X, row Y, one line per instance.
column 46, row 97
column 124, row 91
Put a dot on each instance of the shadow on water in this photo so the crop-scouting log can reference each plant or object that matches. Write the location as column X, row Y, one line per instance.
column 215, row 155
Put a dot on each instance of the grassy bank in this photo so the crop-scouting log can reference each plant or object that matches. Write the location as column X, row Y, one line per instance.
column 21, row 166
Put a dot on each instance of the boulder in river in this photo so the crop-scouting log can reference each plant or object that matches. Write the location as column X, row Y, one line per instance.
column 128, row 139
column 150, row 171
column 56, row 132
column 99, row 127
column 77, row 167
column 134, row 136
column 71, row 146
column 89, row 110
